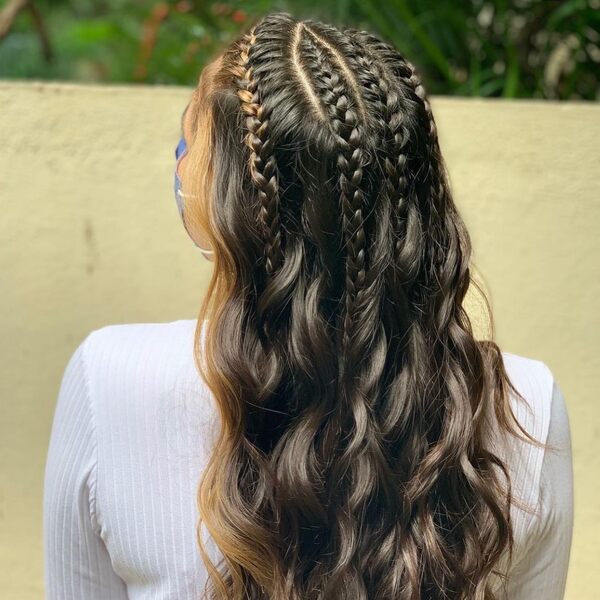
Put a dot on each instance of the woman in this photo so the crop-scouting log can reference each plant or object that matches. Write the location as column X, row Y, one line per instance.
column 348, row 437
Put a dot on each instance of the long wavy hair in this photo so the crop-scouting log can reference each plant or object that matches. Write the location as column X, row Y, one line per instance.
column 354, row 401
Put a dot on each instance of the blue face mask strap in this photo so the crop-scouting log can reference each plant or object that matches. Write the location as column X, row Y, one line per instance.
column 180, row 150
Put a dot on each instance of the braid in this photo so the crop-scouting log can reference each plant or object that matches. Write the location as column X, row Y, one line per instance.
column 437, row 181
column 437, row 277
column 263, row 165
column 401, row 68
column 377, row 80
column 405, row 70
column 349, row 135
column 410, row 74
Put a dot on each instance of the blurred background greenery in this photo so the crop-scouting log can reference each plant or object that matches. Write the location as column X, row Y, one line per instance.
column 508, row 48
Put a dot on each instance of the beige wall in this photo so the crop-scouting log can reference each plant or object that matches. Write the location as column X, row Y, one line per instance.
column 90, row 235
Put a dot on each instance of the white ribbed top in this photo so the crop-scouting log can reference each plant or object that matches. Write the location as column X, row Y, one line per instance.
column 133, row 428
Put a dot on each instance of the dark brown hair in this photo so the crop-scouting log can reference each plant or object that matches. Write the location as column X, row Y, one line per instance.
column 355, row 403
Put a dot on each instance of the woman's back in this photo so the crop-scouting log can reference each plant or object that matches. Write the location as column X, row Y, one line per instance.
column 134, row 426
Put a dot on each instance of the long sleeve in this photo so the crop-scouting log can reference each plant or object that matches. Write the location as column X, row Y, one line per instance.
column 543, row 571
column 77, row 565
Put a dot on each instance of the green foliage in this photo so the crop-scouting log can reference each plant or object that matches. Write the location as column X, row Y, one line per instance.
column 509, row 48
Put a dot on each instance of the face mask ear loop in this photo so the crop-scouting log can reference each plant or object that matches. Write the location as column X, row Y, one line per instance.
column 180, row 152
column 205, row 251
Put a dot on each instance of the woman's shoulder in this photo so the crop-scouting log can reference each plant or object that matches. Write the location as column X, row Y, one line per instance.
column 540, row 412
column 148, row 427
column 144, row 389
column 544, row 413
column 141, row 334
column 129, row 346
column 135, row 368
column 545, row 409
column 541, row 477
column 531, row 373
column 535, row 381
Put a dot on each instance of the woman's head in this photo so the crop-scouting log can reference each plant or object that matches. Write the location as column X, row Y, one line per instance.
column 304, row 90
column 354, row 399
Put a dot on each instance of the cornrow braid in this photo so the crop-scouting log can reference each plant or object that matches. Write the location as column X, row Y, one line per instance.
column 263, row 165
column 393, row 61
column 414, row 80
column 378, row 80
column 437, row 182
column 405, row 70
column 352, row 158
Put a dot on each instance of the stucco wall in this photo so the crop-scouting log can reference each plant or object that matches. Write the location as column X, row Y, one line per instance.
column 90, row 235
